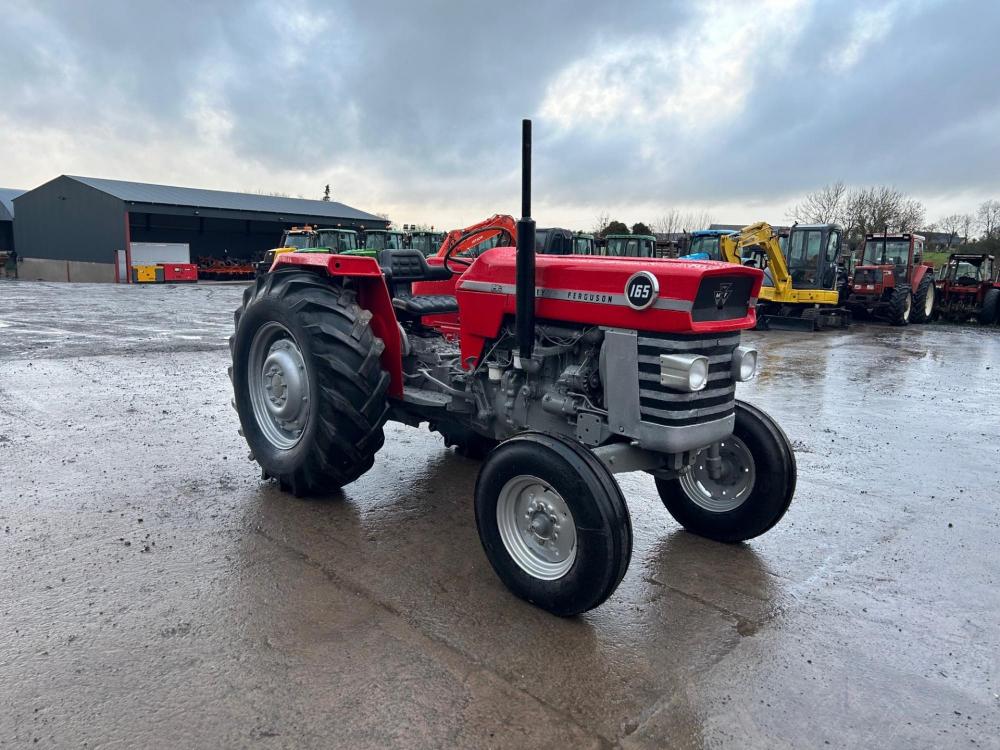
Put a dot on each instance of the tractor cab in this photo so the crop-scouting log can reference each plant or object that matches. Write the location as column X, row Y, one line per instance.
column 554, row 241
column 703, row 244
column 383, row 239
column 296, row 238
column 966, row 270
column 583, row 244
column 337, row 241
column 426, row 242
column 630, row 246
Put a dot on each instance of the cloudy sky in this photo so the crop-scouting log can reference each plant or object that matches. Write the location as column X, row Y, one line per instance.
column 413, row 108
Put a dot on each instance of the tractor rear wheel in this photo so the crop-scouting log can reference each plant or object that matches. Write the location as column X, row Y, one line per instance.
column 923, row 300
column 990, row 311
column 900, row 306
column 308, row 383
column 553, row 522
column 754, row 489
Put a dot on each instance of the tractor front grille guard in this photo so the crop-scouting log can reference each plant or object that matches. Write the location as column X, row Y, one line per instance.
column 642, row 409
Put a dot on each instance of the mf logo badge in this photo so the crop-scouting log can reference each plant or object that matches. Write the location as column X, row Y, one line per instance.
column 722, row 294
column 641, row 290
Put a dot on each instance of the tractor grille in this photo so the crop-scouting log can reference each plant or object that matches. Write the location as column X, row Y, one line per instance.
column 868, row 276
column 660, row 405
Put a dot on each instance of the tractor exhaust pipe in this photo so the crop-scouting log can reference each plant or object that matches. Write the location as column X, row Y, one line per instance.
column 525, row 314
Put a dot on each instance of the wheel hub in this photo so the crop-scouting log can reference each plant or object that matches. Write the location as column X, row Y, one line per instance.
column 734, row 483
column 279, row 385
column 536, row 527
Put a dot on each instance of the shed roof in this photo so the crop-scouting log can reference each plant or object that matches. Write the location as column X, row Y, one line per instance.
column 144, row 192
column 7, row 196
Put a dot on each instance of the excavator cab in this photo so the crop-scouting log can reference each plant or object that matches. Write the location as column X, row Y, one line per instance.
column 811, row 254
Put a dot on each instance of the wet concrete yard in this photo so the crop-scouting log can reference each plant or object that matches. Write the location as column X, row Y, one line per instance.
column 155, row 593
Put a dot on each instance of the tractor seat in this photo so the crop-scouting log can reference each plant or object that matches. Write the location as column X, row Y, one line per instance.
column 426, row 304
column 401, row 269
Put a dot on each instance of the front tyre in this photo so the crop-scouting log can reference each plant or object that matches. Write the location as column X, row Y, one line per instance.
column 990, row 310
column 307, row 380
column 755, row 487
column 923, row 300
column 553, row 523
column 900, row 306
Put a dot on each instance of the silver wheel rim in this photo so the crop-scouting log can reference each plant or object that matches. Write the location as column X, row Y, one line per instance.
column 732, row 488
column 536, row 527
column 929, row 302
column 907, row 306
column 279, row 385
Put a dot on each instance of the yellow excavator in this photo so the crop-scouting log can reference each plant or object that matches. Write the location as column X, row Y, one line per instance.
column 802, row 283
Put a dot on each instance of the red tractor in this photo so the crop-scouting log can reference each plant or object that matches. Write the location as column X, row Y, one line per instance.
column 892, row 281
column 560, row 371
column 968, row 288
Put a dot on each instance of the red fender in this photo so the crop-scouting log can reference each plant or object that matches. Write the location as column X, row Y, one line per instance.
column 373, row 296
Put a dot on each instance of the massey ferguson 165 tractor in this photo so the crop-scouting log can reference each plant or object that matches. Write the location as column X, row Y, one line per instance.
column 561, row 370
column 968, row 289
column 892, row 282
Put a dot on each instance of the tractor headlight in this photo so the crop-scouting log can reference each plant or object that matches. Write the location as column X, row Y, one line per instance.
column 684, row 372
column 744, row 363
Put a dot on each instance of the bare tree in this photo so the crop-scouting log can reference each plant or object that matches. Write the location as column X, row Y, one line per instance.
column 823, row 206
column 670, row 222
column 601, row 223
column 967, row 223
column 878, row 208
column 952, row 224
column 988, row 217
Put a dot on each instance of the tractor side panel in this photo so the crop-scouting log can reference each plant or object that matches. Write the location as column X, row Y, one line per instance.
column 373, row 296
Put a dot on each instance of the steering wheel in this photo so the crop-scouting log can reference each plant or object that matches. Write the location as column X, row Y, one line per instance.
column 451, row 256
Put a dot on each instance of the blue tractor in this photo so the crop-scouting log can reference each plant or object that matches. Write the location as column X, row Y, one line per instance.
column 704, row 244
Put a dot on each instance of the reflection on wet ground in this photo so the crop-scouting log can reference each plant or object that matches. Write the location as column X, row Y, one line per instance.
column 158, row 593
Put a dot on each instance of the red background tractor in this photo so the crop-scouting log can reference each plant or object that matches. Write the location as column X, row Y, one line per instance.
column 892, row 281
column 968, row 288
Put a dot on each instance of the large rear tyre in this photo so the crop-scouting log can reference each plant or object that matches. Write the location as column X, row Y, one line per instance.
column 553, row 523
column 308, row 384
column 900, row 306
column 753, row 492
column 923, row 300
column 989, row 313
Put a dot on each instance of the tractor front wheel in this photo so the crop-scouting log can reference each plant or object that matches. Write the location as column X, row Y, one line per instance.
column 308, row 383
column 990, row 310
column 752, row 490
column 553, row 522
column 900, row 306
column 923, row 300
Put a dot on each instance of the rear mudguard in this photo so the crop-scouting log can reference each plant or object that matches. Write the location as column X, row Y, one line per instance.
column 373, row 295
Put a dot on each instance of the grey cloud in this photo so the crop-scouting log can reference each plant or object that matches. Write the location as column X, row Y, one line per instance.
column 428, row 95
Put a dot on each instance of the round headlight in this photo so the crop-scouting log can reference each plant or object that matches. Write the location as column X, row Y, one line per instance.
column 698, row 374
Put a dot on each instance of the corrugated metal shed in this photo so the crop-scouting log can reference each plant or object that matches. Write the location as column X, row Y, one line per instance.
column 7, row 196
column 141, row 192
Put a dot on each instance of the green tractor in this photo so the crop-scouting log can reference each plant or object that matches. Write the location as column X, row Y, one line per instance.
column 426, row 242
column 377, row 240
column 630, row 246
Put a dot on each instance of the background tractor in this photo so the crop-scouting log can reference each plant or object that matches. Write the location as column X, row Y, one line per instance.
column 968, row 287
column 703, row 244
column 891, row 280
column 630, row 246
column 426, row 242
column 378, row 240
column 561, row 373
column 296, row 238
